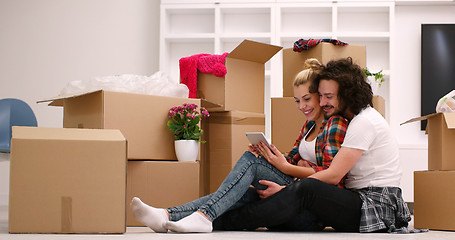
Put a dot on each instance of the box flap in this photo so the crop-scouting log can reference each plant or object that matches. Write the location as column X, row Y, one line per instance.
column 19, row 132
column 207, row 104
column 58, row 100
column 419, row 118
column 254, row 51
column 450, row 120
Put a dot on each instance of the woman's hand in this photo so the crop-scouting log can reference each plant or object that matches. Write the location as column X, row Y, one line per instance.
column 273, row 156
column 271, row 189
column 254, row 150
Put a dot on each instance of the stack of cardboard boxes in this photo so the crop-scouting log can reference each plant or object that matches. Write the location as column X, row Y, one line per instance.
column 239, row 97
column 434, row 193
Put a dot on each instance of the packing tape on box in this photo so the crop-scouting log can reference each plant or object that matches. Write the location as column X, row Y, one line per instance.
column 67, row 214
column 237, row 120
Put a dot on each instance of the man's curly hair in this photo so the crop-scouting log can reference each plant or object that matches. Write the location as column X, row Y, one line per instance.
column 353, row 91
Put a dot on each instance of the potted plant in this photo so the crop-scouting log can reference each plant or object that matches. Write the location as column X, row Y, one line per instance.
column 378, row 79
column 184, row 123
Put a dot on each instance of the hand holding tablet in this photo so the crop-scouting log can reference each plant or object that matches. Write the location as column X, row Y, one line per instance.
column 256, row 137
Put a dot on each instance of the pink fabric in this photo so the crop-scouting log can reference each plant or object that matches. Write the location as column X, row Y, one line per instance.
column 205, row 63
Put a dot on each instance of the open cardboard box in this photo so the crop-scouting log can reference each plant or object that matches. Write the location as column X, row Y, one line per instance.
column 67, row 181
column 242, row 88
column 293, row 62
column 441, row 139
column 141, row 118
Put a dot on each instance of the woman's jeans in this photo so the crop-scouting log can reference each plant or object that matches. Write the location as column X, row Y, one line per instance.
column 331, row 205
column 234, row 190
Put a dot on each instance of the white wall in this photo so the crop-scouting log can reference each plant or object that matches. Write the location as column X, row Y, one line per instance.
column 44, row 44
column 405, row 88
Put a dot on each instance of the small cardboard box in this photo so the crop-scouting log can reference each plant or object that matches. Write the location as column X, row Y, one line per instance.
column 379, row 104
column 434, row 195
column 287, row 121
column 67, row 181
column 161, row 184
column 141, row 118
column 227, row 141
column 242, row 88
column 293, row 62
column 441, row 139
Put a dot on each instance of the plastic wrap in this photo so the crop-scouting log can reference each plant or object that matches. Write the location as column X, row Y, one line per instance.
column 446, row 103
column 157, row 84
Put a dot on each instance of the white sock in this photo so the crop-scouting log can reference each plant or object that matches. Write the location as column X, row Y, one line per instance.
column 153, row 218
column 195, row 223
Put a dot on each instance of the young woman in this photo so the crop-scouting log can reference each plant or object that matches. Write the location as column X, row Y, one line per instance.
column 315, row 148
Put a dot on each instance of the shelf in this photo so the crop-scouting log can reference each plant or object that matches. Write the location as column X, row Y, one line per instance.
column 243, row 20
column 215, row 27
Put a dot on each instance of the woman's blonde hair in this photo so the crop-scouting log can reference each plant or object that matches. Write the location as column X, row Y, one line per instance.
column 312, row 68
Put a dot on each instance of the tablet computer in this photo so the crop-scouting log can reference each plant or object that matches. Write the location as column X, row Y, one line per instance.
column 256, row 137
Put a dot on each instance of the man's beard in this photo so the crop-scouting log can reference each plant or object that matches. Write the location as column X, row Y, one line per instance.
column 341, row 111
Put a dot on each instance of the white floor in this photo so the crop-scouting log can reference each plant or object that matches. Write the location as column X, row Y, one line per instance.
column 145, row 233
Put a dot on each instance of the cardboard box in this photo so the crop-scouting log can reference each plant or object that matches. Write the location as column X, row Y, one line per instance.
column 161, row 184
column 441, row 139
column 227, row 141
column 293, row 62
column 434, row 195
column 141, row 118
column 242, row 88
column 379, row 104
column 287, row 121
column 67, row 181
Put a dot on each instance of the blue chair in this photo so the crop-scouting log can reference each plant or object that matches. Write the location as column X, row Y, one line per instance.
column 13, row 112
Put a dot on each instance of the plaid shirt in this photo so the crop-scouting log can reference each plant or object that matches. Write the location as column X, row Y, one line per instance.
column 327, row 144
column 383, row 208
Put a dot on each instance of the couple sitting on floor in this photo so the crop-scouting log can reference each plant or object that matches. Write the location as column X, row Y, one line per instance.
column 345, row 177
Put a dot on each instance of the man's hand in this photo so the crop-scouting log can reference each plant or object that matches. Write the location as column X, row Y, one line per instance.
column 271, row 189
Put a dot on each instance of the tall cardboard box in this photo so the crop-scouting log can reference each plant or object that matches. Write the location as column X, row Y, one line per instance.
column 67, row 181
column 227, row 141
column 242, row 88
column 287, row 121
column 141, row 118
column 441, row 139
column 434, row 195
column 161, row 184
column 293, row 62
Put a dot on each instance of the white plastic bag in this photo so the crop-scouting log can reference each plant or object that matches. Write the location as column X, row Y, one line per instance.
column 157, row 84
column 446, row 103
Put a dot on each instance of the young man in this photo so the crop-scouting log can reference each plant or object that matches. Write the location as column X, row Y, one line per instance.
column 368, row 158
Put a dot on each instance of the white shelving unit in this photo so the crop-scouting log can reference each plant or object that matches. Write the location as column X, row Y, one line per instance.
column 208, row 26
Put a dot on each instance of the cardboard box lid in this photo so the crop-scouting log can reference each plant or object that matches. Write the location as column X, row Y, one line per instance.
column 58, row 100
column 254, row 51
column 19, row 132
column 448, row 117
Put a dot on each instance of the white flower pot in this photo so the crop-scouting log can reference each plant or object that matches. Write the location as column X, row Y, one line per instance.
column 186, row 150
